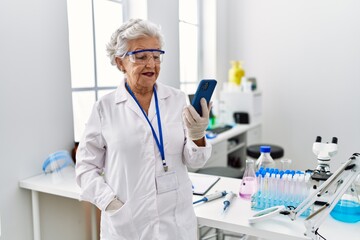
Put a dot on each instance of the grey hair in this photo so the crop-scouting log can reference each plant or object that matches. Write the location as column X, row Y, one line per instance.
column 132, row 29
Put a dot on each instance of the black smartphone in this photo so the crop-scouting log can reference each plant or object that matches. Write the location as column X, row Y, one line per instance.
column 205, row 90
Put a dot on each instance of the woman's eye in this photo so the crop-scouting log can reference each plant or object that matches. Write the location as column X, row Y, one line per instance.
column 141, row 57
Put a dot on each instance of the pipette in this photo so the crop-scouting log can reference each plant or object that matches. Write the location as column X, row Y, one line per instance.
column 211, row 197
column 228, row 198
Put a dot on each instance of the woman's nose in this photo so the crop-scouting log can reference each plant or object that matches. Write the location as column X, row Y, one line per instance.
column 151, row 61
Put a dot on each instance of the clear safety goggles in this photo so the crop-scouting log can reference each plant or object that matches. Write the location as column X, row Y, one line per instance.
column 143, row 56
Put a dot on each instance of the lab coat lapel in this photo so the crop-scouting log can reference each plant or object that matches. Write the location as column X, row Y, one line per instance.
column 152, row 109
column 122, row 95
column 130, row 103
column 162, row 93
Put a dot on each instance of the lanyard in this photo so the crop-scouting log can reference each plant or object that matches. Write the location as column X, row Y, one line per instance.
column 160, row 143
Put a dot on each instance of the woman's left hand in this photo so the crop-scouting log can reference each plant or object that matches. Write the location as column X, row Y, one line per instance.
column 195, row 123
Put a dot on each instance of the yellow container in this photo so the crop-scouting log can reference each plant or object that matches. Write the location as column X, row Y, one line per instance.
column 236, row 72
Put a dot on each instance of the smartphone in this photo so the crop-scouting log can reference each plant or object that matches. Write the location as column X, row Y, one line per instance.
column 205, row 90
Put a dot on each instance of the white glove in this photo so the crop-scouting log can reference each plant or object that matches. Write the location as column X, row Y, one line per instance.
column 194, row 122
column 114, row 205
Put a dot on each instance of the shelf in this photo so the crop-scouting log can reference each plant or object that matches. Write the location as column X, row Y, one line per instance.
column 240, row 145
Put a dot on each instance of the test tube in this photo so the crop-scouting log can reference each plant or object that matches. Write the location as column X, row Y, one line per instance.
column 255, row 197
column 267, row 190
column 262, row 194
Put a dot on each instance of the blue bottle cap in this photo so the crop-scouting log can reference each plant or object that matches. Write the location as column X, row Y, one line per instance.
column 265, row 149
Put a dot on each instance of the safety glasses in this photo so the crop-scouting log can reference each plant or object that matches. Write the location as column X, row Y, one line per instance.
column 143, row 56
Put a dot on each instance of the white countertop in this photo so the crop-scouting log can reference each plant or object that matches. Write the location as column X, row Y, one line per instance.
column 235, row 130
column 210, row 213
column 280, row 227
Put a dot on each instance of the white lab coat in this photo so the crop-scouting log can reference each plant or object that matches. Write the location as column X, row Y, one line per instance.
column 118, row 156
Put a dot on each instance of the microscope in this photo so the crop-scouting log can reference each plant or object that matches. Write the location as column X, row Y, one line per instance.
column 324, row 152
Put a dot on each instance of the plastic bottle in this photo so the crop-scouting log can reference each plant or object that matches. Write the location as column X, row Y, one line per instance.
column 248, row 185
column 236, row 72
column 265, row 160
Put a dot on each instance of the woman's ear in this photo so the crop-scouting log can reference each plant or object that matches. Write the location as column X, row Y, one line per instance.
column 120, row 64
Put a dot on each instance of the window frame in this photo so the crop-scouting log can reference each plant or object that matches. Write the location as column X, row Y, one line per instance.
column 199, row 50
column 96, row 88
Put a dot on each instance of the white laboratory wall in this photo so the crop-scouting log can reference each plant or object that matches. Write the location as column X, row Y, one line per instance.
column 306, row 57
column 166, row 14
column 36, row 115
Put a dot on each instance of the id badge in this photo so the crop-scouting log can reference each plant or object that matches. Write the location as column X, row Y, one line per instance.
column 166, row 182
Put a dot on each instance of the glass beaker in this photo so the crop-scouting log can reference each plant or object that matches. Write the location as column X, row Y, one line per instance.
column 285, row 164
column 348, row 207
column 248, row 183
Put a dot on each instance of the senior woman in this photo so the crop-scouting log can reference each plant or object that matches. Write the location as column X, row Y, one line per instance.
column 133, row 157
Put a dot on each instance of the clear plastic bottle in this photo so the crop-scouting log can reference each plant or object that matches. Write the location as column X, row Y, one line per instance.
column 265, row 160
column 248, row 185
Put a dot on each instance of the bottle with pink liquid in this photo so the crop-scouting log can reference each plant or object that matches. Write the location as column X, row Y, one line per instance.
column 248, row 184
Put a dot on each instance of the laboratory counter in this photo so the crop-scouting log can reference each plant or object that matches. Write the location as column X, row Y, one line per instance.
column 210, row 214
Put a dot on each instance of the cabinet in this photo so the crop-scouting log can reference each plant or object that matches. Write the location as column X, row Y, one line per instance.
column 229, row 147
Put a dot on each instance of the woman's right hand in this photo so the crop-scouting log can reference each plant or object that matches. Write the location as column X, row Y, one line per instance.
column 195, row 123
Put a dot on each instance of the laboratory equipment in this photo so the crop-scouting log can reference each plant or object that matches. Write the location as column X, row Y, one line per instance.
column 231, row 101
column 278, row 187
column 265, row 160
column 228, row 198
column 210, row 197
column 324, row 152
column 57, row 161
column 248, row 183
column 285, row 164
column 267, row 214
column 348, row 208
column 323, row 199
column 58, row 164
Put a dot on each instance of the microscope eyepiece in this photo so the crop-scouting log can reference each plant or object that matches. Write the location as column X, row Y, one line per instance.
column 334, row 140
column 318, row 139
